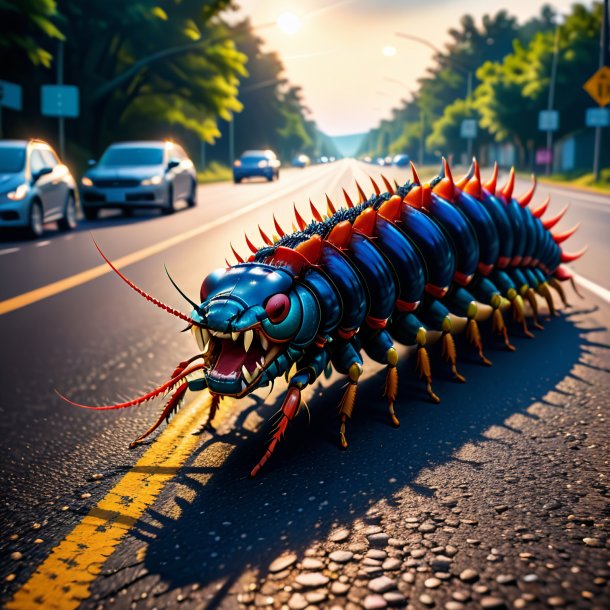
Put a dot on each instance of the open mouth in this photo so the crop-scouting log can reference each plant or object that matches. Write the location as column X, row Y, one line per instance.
column 239, row 356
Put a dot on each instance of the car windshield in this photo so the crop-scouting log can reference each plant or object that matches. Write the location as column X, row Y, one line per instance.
column 12, row 159
column 122, row 156
column 253, row 158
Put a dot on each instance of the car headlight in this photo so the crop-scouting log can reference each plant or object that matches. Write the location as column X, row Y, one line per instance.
column 19, row 193
column 237, row 163
column 86, row 181
column 153, row 180
column 263, row 163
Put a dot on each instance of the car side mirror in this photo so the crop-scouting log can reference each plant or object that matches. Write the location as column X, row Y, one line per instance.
column 41, row 172
column 91, row 162
column 172, row 163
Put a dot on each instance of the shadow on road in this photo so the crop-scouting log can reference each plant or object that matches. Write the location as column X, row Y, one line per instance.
column 310, row 487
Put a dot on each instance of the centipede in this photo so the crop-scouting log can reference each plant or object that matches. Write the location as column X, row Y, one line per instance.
column 411, row 265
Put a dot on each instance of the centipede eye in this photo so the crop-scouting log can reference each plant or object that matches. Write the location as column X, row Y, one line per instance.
column 277, row 307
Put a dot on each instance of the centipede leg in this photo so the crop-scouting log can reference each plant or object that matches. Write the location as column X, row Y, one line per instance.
column 530, row 295
column 498, row 325
column 391, row 385
column 518, row 307
column 346, row 407
column 214, row 404
column 423, row 364
column 543, row 291
column 554, row 283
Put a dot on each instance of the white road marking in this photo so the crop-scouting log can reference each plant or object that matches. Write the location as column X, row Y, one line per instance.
column 42, row 244
column 600, row 291
column 8, row 251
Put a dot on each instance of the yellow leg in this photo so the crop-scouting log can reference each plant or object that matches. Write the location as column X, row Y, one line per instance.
column 391, row 385
column 530, row 295
column 556, row 284
column 348, row 401
column 543, row 290
column 472, row 333
column 423, row 364
column 448, row 348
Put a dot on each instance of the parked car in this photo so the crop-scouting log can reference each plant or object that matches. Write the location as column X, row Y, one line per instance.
column 135, row 175
column 401, row 160
column 262, row 163
column 35, row 188
column 301, row 161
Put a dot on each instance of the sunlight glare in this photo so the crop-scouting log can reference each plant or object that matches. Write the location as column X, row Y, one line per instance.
column 289, row 23
column 389, row 51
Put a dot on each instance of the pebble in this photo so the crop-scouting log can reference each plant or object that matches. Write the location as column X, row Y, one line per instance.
column 312, row 579
column 309, row 563
column 461, row 596
column 493, row 603
column 556, row 601
column 379, row 539
column 530, row 578
column 432, row 583
column 85, row 495
column 426, row 528
column 418, row 553
column 453, row 605
column 382, row 584
column 339, row 535
column 371, row 529
column 469, row 575
column 282, row 562
column 339, row 588
column 595, row 542
column 376, row 554
column 391, row 564
column 374, row 602
column 426, row 599
column 408, row 577
column 315, row 597
column 505, row 579
column 16, row 556
column 395, row 598
column 297, row 602
column 341, row 556
column 97, row 476
column 501, row 508
column 441, row 563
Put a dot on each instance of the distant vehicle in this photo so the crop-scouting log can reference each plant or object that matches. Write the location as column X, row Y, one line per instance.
column 401, row 160
column 379, row 161
column 252, row 163
column 134, row 175
column 301, row 161
column 35, row 188
column 323, row 159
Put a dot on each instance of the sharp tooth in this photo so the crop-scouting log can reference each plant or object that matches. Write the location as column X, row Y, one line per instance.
column 262, row 361
column 246, row 374
column 215, row 333
column 257, row 370
column 248, row 336
column 206, row 346
column 197, row 335
column 205, row 334
column 235, row 336
column 244, row 385
column 264, row 341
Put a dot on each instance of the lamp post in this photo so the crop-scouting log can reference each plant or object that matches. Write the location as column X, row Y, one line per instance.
column 456, row 64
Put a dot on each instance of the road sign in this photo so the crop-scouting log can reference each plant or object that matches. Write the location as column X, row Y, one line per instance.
column 10, row 95
column 544, row 156
column 60, row 101
column 548, row 120
column 598, row 86
column 468, row 129
column 597, row 117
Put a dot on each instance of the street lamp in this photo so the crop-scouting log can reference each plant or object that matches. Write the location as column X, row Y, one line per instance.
column 456, row 64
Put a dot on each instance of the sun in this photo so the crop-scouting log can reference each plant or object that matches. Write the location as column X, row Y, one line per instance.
column 289, row 23
column 389, row 51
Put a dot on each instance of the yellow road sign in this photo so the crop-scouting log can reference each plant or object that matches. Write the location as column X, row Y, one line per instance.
column 598, row 86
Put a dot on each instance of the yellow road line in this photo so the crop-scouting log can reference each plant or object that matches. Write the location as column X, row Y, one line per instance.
column 27, row 298
column 62, row 581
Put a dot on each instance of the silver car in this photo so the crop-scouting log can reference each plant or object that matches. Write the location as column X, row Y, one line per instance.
column 134, row 175
column 35, row 188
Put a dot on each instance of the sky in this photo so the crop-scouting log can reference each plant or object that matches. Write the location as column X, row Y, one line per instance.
column 337, row 56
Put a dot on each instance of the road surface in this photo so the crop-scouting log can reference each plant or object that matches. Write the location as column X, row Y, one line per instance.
column 493, row 498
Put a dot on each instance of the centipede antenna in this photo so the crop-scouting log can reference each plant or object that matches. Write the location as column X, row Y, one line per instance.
column 195, row 305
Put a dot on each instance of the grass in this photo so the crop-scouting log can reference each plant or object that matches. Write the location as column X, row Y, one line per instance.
column 215, row 172
column 580, row 179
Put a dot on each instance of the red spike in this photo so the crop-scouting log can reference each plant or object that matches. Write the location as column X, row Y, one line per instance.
column 387, row 184
column 302, row 224
column 562, row 274
column 561, row 237
column 549, row 223
column 527, row 197
column 445, row 188
column 461, row 183
column 140, row 399
column 538, row 212
column 365, row 223
column 507, row 191
column 228, row 263
column 239, row 258
column 568, row 257
column 396, row 185
column 330, row 206
column 473, row 187
column 311, row 249
column 315, row 212
column 250, row 245
column 341, row 234
column 390, row 209
column 265, row 237
column 375, row 187
column 154, row 301
column 416, row 179
column 414, row 197
column 347, row 199
column 490, row 185
column 361, row 194
column 279, row 229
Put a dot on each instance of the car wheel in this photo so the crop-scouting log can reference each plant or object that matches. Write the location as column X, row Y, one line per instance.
column 36, row 225
column 270, row 177
column 169, row 208
column 277, row 175
column 69, row 221
column 127, row 212
column 91, row 213
column 237, row 180
column 192, row 198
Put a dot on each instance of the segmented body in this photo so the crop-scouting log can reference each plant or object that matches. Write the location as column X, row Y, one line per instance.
column 440, row 257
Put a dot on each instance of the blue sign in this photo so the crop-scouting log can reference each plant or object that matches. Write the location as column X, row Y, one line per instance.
column 548, row 120
column 597, row 117
column 10, row 95
column 468, row 129
column 60, row 101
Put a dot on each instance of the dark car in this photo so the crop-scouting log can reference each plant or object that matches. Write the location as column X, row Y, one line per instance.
column 35, row 187
column 401, row 160
column 134, row 175
column 263, row 163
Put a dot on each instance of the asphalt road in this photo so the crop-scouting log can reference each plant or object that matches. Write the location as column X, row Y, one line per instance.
column 516, row 459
